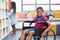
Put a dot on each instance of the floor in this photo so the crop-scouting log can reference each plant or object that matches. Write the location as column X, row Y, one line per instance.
column 9, row 37
column 18, row 34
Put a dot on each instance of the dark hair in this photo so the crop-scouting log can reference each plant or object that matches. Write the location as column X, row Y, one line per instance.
column 13, row 6
column 39, row 8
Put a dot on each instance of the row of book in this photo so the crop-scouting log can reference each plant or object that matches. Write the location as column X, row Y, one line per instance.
column 5, row 28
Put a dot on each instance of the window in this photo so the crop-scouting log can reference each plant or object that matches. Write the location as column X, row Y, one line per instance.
column 28, row 1
column 55, row 7
column 31, row 5
column 28, row 7
column 55, row 1
column 45, row 7
column 42, row 1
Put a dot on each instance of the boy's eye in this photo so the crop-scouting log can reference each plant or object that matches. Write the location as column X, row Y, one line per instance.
column 38, row 11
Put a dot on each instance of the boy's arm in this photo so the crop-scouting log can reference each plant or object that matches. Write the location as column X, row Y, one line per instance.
column 49, row 26
column 33, row 21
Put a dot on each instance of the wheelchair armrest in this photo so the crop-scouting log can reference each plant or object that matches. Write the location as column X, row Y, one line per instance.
column 29, row 24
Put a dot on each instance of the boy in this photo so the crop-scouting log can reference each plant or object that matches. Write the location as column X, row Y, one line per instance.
column 38, row 27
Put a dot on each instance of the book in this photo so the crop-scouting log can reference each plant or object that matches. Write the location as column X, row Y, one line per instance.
column 0, row 34
column 6, row 29
column 0, row 24
column 3, row 31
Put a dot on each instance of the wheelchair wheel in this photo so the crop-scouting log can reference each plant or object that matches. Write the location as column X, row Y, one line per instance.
column 51, row 37
column 37, row 38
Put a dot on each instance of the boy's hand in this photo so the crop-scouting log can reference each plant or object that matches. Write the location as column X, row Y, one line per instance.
column 44, row 33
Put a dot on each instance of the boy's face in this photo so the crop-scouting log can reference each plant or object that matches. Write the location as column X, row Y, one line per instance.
column 39, row 12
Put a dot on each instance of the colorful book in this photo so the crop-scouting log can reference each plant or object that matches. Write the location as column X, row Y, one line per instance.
column 3, row 31
column 6, row 29
column 0, row 34
column 0, row 23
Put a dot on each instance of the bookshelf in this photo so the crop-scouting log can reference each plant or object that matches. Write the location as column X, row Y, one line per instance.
column 5, row 27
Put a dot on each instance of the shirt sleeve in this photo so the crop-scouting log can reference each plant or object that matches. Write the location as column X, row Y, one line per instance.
column 35, row 19
column 46, row 19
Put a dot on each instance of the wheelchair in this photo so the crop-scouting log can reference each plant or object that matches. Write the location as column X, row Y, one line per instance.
column 37, row 37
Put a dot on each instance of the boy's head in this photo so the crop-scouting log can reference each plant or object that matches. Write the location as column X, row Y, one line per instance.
column 39, row 11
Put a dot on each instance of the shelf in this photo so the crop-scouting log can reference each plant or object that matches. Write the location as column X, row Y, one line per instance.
column 6, row 34
column 4, row 23
column 2, row 14
column 5, row 27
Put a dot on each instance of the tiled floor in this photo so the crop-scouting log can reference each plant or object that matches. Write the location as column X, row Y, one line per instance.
column 18, row 34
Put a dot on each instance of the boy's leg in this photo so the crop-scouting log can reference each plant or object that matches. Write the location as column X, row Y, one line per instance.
column 30, row 35
column 43, row 34
column 24, row 32
column 37, row 34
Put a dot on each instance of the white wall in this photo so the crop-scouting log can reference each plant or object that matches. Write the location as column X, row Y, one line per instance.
column 18, row 5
